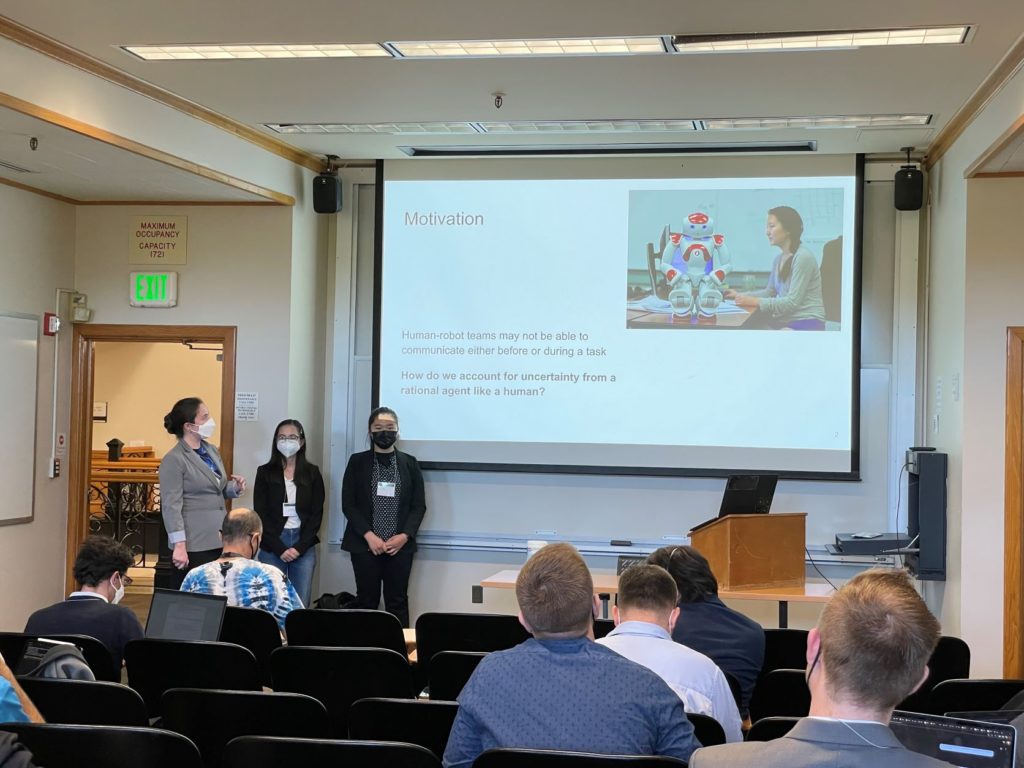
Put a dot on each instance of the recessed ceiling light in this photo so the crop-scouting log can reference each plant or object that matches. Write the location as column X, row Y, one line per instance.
column 257, row 51
column 574, row 46
column 817, row 121
column 761, row 42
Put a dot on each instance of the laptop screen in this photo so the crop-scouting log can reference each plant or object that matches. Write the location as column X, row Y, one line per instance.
column 966, row 743
column 185, row 615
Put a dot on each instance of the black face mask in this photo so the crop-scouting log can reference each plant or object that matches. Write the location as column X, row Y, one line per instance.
column 385, row 438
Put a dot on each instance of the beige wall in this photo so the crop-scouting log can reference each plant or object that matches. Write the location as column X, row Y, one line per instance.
column 36, row 257
column 140, row 381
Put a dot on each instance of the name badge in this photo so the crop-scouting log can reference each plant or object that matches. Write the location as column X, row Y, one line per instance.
column 289, row 510
column 385, row 489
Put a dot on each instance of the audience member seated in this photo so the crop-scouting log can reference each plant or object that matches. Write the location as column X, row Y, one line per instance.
column 15, row 705
column 644, row 617
column 239, row 576
column 100, row 569
column 560, row 689
column 733, row 641
column 869, row 651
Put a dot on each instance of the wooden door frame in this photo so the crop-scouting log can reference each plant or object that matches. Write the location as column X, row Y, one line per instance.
column 1013, row 513
column 82, row 374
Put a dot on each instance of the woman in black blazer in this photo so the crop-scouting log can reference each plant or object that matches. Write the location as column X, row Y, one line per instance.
column 382, row 498
column 289, row 498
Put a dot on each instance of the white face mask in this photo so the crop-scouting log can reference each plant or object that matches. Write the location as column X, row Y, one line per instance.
column 118, row 591
column 205, row 430
column 288, row 448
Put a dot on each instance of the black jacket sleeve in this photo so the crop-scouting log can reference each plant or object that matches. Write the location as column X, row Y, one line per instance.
column 262, row 502
column 312, row 521
column 417, row 499
column 359, row 518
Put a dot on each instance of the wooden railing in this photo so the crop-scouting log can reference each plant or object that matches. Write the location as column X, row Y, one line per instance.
column 124, row 502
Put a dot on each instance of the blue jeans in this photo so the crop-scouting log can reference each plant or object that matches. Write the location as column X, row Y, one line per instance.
column 298, row 571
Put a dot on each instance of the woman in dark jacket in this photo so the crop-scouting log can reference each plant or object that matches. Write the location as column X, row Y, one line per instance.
column 382, row 498
column 289, row 498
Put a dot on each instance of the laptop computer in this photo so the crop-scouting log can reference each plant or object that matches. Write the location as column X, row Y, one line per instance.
column 745, row 495
column 177, row 615
column 967, row 743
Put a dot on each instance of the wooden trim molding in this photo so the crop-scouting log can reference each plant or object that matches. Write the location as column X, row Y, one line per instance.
column 65, row 54
column 1009, row 136
column 37, row 191
column 83, row 358
column 990, row 86
column 130, row 145
column 1013, row 512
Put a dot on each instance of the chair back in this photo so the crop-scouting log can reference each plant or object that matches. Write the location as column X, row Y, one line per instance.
column 545, row 758
column 784, row 649
column 427, row 723
column 768, row 728
column 345, row 628
column 480, row 632
column 272, row 752
column 602, row 627
column 337, row 677
column 254, row 629
column 780, row 692
column 708, row 731
column 972, row 695
column 213, row 718
column 155, row 666
column 96, row 654
column 105, row 746
column 450, row 671
column 951, row 660
column 86, row 702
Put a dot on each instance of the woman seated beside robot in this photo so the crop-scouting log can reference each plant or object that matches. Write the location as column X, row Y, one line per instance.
column 695, row 263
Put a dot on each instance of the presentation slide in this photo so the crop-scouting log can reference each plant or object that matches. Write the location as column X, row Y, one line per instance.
column 668, row 325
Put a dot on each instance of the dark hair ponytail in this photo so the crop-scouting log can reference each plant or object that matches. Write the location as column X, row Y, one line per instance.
column 790, row 221
column 184, row 412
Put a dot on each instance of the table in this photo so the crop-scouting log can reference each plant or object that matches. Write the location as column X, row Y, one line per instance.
column 637, row 318
column 608, row 584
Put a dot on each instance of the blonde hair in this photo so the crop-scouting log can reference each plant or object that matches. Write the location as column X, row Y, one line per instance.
column 555, row 592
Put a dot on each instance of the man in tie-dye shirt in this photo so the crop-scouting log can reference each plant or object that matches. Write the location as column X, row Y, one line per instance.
column 239, row 576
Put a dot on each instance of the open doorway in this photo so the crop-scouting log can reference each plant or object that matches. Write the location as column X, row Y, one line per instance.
column 125, row 378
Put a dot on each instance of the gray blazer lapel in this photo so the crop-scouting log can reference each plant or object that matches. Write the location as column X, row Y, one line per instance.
column 201, row 465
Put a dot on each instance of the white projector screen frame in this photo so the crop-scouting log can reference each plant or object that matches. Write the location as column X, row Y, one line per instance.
column 601, row 457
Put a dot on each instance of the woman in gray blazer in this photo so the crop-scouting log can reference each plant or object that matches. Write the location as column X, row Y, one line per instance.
column 193, row 486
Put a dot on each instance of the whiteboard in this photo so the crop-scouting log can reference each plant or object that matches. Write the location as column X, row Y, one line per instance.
column 19, row 360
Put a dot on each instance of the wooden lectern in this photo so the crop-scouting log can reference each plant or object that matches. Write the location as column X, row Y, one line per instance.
column 751, row 551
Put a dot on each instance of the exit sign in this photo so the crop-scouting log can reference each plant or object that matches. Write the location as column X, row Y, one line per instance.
column 153, row 289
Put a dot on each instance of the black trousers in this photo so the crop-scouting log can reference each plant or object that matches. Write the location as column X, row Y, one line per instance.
column 392, row 571
column 195, row 559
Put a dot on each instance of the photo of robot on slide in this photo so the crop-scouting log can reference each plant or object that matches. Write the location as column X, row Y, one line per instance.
column 770, row 274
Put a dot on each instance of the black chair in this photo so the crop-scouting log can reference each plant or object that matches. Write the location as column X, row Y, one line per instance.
column 345, row 628
column 972, row 695
column 105, row 746
column 427, row 723
column 951, row 660
column 768, row 728
column 81, row 702
column 784, row 649
column 544, row 758
column 254, row 629
column 272, row 752
column 708, row 731
column 96, row 654
column 436, row 632
column 337, row 677
column 213, row 718
column 781, row 692
column 155, row 666
column 450, row 671
column 602, row 627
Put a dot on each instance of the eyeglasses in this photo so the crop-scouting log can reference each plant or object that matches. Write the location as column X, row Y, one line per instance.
column 126, row 580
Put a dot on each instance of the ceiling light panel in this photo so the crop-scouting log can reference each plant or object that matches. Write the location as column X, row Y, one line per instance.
column 819, row 121
column 492, row 127
column 435, row 128
column 805, row 41
column 257, row 51
column 575, row 46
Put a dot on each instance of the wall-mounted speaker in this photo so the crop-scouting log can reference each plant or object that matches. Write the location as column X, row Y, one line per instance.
column 926, row 502
column 326, row 193
column 909, row 189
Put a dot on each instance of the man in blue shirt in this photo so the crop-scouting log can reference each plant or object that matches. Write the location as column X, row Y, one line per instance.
column 733, row 641
column 561, row 690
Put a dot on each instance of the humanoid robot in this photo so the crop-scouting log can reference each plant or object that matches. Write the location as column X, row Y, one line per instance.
column 695, row 263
